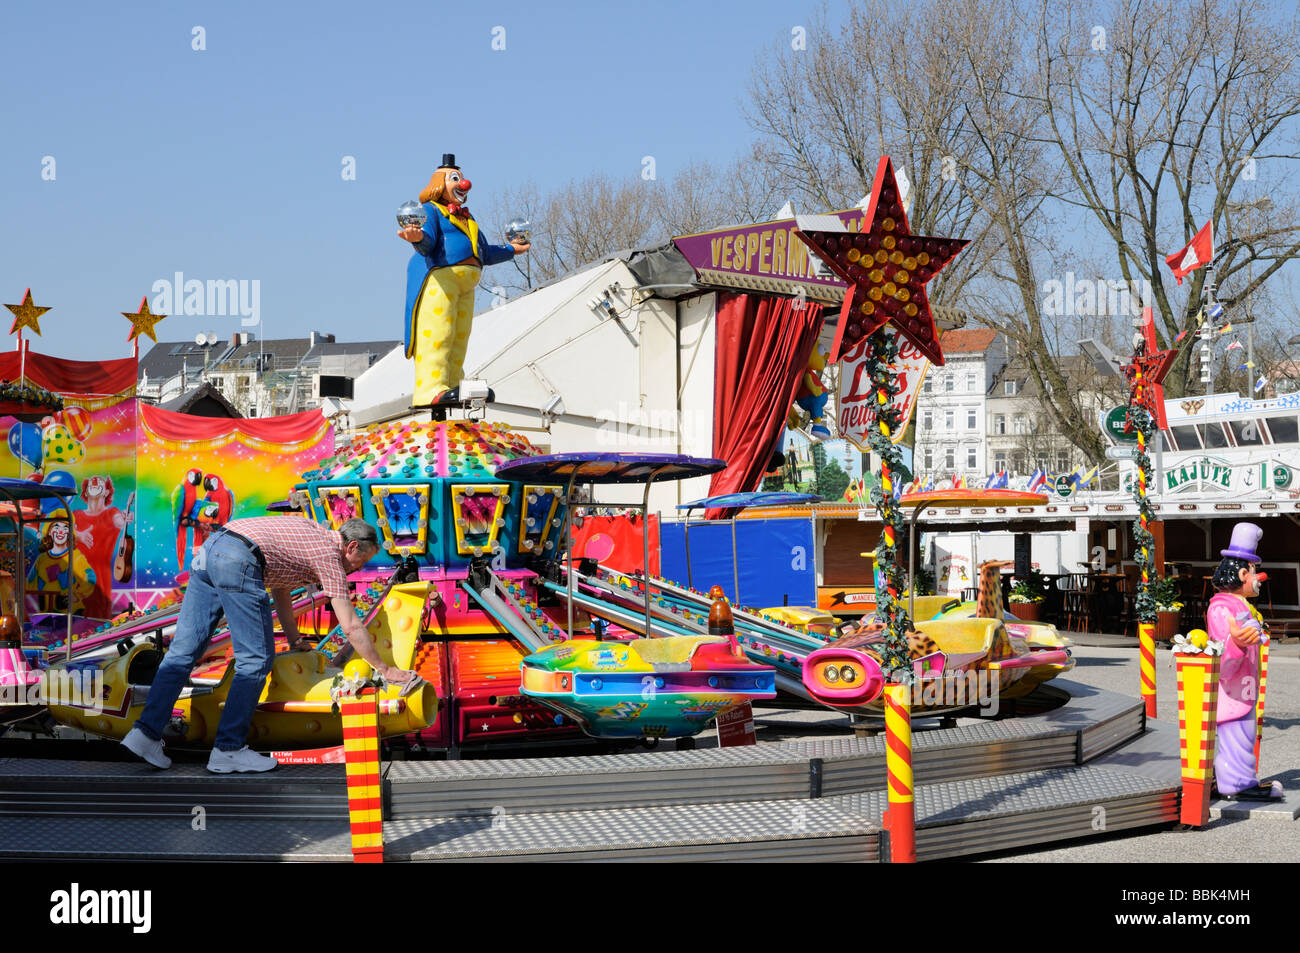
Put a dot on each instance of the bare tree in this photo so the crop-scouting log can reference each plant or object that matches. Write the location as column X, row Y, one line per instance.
column 1165, row 115
column 585, row 220
column 1146, row 118
column 826, row 114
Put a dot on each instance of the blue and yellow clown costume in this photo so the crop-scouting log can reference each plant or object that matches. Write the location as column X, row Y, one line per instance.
column 440, row 285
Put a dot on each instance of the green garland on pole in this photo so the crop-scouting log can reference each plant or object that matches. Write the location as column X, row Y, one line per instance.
column 1142, row 535
column 891, row 608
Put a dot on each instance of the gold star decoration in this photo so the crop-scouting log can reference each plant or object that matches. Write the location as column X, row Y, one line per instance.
column 26, row 315
column 142, row 321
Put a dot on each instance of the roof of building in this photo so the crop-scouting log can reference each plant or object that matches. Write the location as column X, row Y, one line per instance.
column 165, row 358
column 202, row 401
column 967, row 340
column 1075, row 368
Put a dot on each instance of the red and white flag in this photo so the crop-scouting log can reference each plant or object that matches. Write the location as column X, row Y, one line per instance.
column 1198, row 254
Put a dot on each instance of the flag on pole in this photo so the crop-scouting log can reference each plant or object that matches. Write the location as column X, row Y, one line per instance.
column 1084, row 480
column 1261, row 383
column 1216, row 311
column 1198, row 253
column 1226, row 328
column 1235, row 345
column 1038, row 480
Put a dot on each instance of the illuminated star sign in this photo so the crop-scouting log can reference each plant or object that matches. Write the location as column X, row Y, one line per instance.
column 1146, row 373
column 885, row 266
column 142, row 321
column 26, row 315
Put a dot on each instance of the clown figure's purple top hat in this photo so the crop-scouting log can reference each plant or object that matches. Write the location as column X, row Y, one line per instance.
column 1245, row 542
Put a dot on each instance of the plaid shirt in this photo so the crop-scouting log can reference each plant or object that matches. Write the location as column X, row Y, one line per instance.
column 297, row 552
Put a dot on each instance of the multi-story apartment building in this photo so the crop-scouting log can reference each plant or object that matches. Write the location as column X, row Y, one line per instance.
column 1023, row 434
column 258, row 378
column 952, row 408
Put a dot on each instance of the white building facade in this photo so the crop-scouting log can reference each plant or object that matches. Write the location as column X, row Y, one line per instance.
column 952, row 410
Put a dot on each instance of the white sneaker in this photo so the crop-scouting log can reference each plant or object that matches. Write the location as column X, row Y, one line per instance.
column 245, row 759
column 142, row 746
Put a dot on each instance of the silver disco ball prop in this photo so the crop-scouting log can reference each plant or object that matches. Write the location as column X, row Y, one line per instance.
column 518, row 230
column 410, row 213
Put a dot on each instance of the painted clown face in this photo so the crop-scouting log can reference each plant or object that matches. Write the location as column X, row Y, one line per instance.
column 58, row 535
column 455, row 187
column 96, row 486
column 1250, row 578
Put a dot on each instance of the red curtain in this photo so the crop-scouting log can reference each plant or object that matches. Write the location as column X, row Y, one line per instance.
column 292, row 428
column 63, row 376
column 763, row 346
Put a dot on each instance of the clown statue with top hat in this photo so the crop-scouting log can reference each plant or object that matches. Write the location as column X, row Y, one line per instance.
column 1237, row 626
column 450, row 253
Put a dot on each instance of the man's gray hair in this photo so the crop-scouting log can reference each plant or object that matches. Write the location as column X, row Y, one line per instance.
column 359, row 531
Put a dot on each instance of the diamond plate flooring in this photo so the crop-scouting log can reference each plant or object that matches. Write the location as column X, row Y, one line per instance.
column 986, row 785
column 171, row 839
column 647, row 832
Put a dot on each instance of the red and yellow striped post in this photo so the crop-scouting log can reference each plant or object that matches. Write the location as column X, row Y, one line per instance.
column 1146, row 630
column 361, row 761
column 900, row 818
column 1198, row 704
column 1147, row 653
column 1259, row 702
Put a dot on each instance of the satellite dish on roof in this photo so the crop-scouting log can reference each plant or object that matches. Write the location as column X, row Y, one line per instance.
column 211, row 337
column 200, row 339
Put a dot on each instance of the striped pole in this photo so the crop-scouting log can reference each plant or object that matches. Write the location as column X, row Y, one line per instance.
column 1145, row 555
column 1198, row 703
column 1147, row 651
column 361, row 762
column 900, row 819
column 1259, row 702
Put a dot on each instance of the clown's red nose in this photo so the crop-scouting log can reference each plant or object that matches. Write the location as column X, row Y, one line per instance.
column 462, row 186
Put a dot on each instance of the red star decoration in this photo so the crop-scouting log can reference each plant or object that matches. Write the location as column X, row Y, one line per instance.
column 1146, row 374
column 886, row 268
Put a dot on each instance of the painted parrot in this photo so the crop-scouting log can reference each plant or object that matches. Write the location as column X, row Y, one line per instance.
column 184, row 497
column 215, row 509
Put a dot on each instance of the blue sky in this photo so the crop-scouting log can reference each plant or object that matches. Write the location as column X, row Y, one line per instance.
column 226, row 162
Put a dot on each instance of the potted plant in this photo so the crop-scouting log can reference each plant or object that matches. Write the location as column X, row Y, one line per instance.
column 1027, row 597
column 924, row 582
column 1168, row 603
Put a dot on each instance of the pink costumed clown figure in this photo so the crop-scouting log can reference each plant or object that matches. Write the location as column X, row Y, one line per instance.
column 1237, row 626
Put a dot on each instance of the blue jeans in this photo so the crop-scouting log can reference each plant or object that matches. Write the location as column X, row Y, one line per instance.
column 226, row 579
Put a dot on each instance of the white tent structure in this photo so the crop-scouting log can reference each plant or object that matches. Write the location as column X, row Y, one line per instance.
column 595, row 360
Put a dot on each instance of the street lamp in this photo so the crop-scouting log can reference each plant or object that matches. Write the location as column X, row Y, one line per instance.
column 1101, row 357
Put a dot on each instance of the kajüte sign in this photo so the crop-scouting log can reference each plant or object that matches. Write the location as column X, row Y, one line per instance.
column 857, row 400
